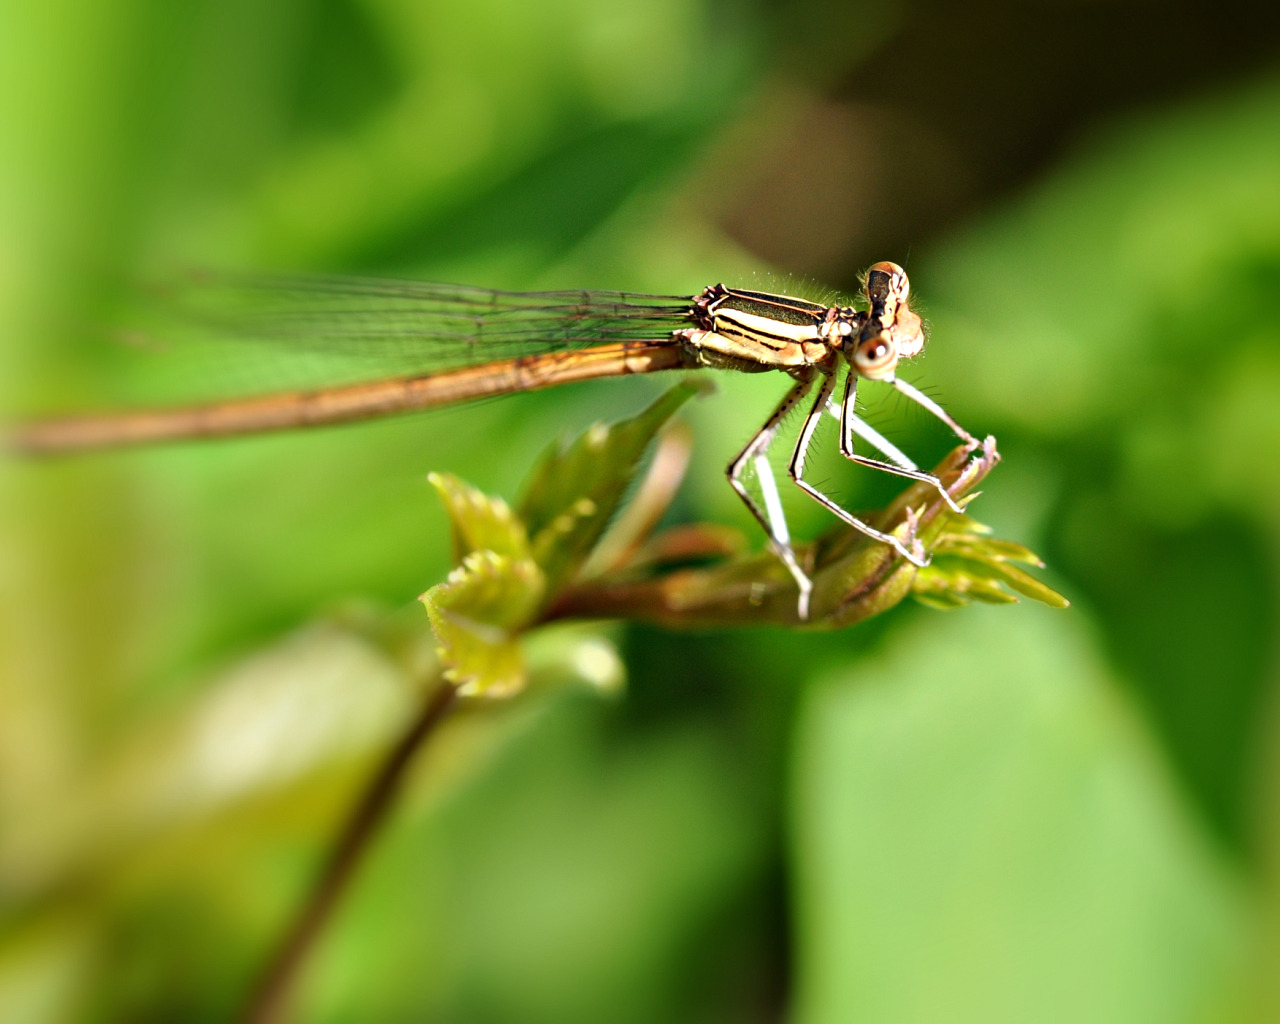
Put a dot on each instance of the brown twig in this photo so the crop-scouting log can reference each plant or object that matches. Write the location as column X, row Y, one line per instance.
column 269, row 999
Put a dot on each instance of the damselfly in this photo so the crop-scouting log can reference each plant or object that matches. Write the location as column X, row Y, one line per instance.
column 458, row 343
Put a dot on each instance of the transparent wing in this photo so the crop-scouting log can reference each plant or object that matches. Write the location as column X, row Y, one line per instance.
column 243, row 333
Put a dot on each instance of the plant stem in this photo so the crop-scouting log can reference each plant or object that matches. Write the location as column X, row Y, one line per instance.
column 269, row 999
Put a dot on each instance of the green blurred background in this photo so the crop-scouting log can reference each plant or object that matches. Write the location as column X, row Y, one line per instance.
column 997, row 814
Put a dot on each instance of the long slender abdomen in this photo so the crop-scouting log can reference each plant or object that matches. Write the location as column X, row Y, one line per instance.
column 296, row 409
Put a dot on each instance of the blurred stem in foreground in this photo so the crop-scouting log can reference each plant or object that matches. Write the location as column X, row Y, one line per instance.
column 270, row 996
column 555, row 556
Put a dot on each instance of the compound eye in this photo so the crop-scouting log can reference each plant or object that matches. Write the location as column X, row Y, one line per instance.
column 898, row 283
column 875, row 357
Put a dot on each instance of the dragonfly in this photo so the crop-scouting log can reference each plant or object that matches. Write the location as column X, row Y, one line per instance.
column 460, row 343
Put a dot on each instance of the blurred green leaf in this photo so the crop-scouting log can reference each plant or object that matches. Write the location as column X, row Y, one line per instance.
column 984, row 832
column 1134, row 335
column 1107, row 271
column 575, row 488
column 263, row 728
column 478, row 615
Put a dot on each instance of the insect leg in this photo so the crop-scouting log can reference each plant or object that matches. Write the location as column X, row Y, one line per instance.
column 771, row 517
column 899, row 464
column 914, row 554
column 920, row 398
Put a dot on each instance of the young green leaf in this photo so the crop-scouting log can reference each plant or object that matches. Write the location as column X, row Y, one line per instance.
column 479, row 522
column 478, row 615
column 969, row 565
column 575, row 488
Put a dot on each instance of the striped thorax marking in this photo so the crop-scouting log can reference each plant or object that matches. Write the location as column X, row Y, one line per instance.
column 769, row 330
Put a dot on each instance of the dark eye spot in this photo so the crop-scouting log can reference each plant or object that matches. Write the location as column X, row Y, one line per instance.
column 875, row 351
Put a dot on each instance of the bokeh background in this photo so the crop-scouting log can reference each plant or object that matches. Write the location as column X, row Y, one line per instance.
column 995, row 814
